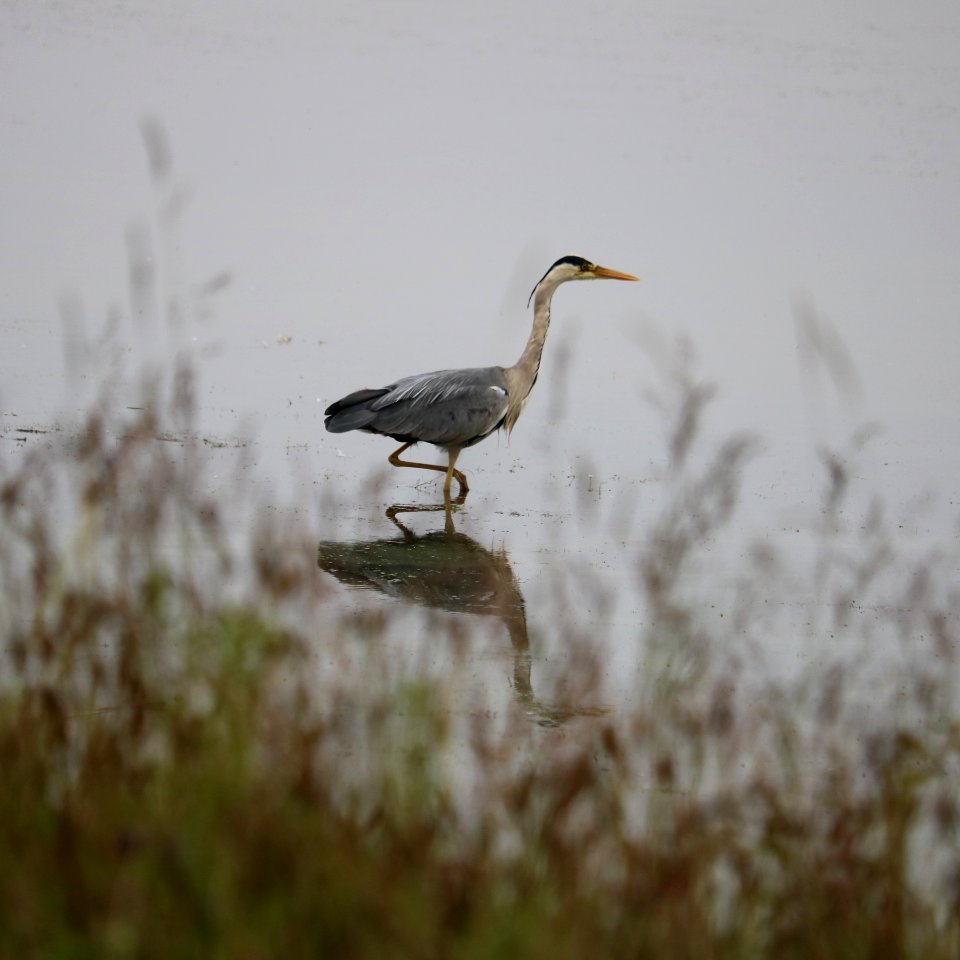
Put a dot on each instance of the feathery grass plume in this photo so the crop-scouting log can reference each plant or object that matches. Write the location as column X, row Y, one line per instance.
column 207, row 751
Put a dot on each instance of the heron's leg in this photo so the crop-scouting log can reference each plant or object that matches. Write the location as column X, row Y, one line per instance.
column 454, row 452
column 394, row 459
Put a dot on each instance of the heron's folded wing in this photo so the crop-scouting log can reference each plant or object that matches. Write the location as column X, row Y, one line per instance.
column 449, row 407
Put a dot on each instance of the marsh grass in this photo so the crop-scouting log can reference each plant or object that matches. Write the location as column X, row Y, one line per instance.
column 205, row 754
column 182, row 778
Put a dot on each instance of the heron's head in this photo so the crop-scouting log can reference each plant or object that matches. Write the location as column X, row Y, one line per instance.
column 576, row 268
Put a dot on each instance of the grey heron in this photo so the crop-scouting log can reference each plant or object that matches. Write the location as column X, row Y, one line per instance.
column 454, row 409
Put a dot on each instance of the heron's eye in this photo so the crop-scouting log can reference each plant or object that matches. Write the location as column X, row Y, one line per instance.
column 585, row 267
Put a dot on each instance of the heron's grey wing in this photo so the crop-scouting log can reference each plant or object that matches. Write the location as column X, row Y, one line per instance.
column 447, row 408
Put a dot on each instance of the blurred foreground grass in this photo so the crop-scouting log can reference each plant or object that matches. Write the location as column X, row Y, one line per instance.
column 203, row 755
column 180, row 781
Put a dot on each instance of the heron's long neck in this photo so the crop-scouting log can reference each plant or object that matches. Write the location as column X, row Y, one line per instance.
column 523, row 374
column 528, row 365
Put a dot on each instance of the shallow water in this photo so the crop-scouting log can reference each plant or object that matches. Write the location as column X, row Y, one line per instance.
column 356, row 194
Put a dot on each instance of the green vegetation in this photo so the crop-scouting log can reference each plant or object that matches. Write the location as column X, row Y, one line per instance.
column 182, row 779
column 203, row 754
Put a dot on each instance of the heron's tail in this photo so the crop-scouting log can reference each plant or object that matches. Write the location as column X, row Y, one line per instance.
column 352, row 412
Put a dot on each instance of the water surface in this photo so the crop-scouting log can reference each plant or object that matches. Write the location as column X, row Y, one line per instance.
column 338, row 197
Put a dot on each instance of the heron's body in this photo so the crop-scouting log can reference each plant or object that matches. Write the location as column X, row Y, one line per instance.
column 465, row 406
column 454, row 409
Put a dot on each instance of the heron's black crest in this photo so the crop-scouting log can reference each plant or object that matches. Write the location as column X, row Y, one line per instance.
column 571, row 259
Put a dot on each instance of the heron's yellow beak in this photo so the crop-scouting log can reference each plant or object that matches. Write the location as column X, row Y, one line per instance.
column 604, row 273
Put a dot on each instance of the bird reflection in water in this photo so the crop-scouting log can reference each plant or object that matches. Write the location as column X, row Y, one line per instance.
column 446, row 570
